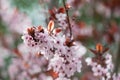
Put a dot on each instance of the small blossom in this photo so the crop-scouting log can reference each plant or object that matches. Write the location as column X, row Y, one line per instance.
column 88, row 60
column 63, row 24
column 61, row 16
column 116, row 77
column 24, row 69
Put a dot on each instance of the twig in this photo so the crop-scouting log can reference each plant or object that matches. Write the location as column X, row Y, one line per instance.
column 69, row 25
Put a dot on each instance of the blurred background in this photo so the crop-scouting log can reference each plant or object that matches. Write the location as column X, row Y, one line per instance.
column 95, row 21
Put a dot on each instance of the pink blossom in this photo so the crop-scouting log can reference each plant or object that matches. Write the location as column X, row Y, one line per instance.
column 60, row 16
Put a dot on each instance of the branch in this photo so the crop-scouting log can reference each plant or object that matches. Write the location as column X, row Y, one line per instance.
column 69, row 25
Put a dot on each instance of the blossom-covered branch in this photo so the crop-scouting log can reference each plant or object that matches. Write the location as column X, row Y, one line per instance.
column 64, row 59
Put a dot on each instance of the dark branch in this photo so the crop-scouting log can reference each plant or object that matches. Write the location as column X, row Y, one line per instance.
column 69, row 25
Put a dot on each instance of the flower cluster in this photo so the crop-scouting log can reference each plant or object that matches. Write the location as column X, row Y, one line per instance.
column 28, row 67
column 69, row 61
column 64, row 55
column 59, row 16
column 13, row 17
column 101, row 65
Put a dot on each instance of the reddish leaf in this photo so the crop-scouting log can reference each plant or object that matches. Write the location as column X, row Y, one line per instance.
column 99, row 48
column 50, row 25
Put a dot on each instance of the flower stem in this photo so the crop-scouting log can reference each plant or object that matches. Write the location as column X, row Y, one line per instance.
column 69, row 25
